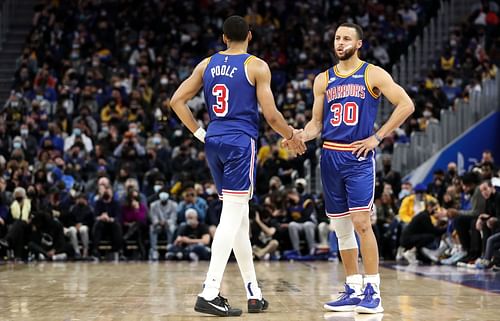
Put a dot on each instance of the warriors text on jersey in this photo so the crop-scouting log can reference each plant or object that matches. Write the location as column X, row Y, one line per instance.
column 350, row 105
column 230, row 96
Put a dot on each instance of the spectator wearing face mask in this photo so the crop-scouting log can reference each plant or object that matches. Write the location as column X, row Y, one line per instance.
column 20, row 230
column 192, row 240
column 77, row 221
column 191, row 200
column 414, row 203
column 29, row 143
column 107, row 221
column 163, row 217
column 78, row 136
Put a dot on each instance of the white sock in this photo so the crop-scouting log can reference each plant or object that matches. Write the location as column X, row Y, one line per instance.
column 374, row 280
column 230, row 221
column 355, row 282
column 243, row 252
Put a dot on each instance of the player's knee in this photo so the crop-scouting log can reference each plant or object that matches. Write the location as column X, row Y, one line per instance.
column 344, row 230
column 361, row 222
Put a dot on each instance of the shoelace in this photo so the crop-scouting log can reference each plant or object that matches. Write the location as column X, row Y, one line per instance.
column 368, row 293
column 224, row 302
column 346, row 293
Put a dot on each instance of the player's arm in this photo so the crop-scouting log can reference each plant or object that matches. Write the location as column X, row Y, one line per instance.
column 315, row 125
column 260, row 73
column 382, row 80
column 187, row 90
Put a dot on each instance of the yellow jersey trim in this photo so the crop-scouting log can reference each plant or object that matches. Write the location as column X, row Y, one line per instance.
column 370, row 90
column 338, row 74
column 248, row 60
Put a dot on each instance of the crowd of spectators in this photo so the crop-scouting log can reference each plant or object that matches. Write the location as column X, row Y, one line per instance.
column 90, row 151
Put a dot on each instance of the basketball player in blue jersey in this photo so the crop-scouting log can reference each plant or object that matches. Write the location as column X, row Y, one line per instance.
column 344, row 110
column 234, row 83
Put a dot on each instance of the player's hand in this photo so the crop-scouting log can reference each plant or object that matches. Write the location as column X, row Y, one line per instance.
column 363, row 147
column 296, row 143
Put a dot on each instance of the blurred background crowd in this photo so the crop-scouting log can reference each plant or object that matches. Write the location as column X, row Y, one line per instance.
column 93, row 161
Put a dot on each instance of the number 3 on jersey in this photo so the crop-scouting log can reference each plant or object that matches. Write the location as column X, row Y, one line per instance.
column 221, row 92
column 347, row 113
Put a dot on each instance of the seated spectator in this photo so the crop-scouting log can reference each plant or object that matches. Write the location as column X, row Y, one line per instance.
column 163, row 217
column 424, row 229
column 488, row 222
column 262, row 233
column 107, row 222
column 20, row 231
column 134, row 213
column 192, row 240
column 47, row 239
column 473, row 204
column 301, row 220
column 78, row 220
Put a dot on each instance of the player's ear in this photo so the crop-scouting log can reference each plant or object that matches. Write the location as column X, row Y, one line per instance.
column 359, row 44
column 249, row 37
column 224, row 39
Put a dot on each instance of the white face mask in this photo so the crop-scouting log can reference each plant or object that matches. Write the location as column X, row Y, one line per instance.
column 157, row 188
column 164, row 196
column 427, row 114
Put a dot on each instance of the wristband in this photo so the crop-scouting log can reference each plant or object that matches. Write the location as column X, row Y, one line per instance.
column 200, row 134
column 378, row 138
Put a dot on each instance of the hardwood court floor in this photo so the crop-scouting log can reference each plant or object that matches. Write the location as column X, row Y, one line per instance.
column 167, row 291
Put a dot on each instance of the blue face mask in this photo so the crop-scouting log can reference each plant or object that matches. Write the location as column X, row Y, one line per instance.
column 404, row 193
column 77, row 131
column 156, row 140
column 16, row 145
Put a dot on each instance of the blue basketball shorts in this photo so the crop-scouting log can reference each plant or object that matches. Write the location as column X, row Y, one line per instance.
column 348, row 181
column 232, row 162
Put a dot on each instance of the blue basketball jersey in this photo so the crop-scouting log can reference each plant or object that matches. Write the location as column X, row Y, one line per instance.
column 350, row 106
column 230, row 96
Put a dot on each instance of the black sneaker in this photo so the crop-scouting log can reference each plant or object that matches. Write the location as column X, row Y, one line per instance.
column 217, row 306
column 256, row 306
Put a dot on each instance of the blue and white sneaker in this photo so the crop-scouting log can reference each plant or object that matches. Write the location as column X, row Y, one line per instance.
column 371, row 302
column 346, row 302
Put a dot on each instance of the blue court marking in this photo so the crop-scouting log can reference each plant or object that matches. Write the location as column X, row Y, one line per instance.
column 478, row 279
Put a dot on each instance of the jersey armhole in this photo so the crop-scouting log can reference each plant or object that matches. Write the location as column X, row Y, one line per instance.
column 327, row 78
column 247, row 61
column 208, row 62
column 370, row 89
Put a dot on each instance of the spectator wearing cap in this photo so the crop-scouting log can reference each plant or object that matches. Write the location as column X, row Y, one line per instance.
column 163, row 218
column 77, row 221
column 414, row 203
column 191, row 200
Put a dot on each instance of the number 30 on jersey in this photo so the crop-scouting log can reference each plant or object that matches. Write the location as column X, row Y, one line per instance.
column 346, row 113
column 221, row 93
